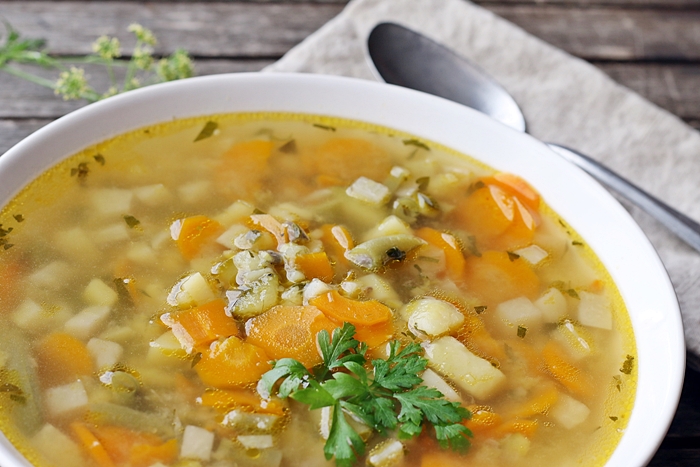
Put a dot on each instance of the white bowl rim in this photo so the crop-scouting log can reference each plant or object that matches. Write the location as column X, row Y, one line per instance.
column 638, row 271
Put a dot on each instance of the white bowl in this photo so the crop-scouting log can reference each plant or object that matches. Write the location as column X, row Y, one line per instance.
column 586, row 206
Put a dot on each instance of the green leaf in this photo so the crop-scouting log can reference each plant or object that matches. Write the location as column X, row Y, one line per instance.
column 455, row 436
column 315, row 396
column 286, row 367
column 343, row 385
column 343, row 443
column 208, row 131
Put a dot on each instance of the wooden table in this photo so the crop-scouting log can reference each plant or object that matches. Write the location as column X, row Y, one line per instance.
column 651, row 46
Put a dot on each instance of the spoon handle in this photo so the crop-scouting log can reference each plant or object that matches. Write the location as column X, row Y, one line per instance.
column 678, row 223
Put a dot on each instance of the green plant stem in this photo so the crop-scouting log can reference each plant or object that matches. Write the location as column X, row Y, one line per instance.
column 28, row 76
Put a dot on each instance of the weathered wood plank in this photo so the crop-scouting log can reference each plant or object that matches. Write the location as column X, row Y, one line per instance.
column 13, row 131
column 206, row 30
column 270, row 29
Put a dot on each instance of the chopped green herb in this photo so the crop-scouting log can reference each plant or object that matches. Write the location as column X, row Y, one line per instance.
column 197, row 357
column 324, row 127
column 572, row 293
column 208, row 131
column 4, row 232
column 562, row 223
column 416, row 143
column 100, row 159
column 121, row 284
column 475, row 186
column 7, row 387
column 290, row 147
column 422, row 183
column 614, row 419
column 618, row 382
column 81, row 171
column 429, row 259
column 18, row 398
column 512, row 256
column 131, row 221
column 522, row 330
column 627, row 365
column 480, row 309
column 19, row 217
column 471, row 246
column 7, row 246
column 388, row 397
column 577, row 243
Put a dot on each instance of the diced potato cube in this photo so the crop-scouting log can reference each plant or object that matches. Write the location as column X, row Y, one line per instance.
column 386, row 454
column 243, row 421
column 552, row 304
column 57, row 447
column 594, row 310
column 229, row 236
column 256, row 441
column 87, row 322
column 76, row 243
column 166, row 349
column 433, row 317
column 62, row 400
column 514, row 446
column 193, row 290
column 195, row 192
column 313, row 289
column 114, row 233
column 369, row 191
column 141, row 253
column 575, row 339
column 52, row 276
column 153, row 195
column 569, row 412
column 99, row 293
column 392, row 225
column 533, row 254
column 197, row 443
column 105, row 353
column 518, row 312
column 378, row 288
column 236, row 212
column 111, row 201
column 433, row 380
column 452, row 359
column 28, row 315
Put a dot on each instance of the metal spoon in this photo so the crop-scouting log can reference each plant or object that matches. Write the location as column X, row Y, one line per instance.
column 407, row 58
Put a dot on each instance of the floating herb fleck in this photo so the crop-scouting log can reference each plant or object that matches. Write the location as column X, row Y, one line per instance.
column 618, row 382
column 290, row 147
column 577, row 243
column 100, row 159
column 197, row 357
column 131, row 221
column 627, row 365
column 208, row 131
column 19, row 217
column 614, row 419
column 324, row 127
column 7, row 246
column 522, row 330
column 422, row 183
column 475, row 186
column 471, row 246
column 4, row 232
column 572, row 293
column 81, row 171
column 122, row 284
column 480, row 309
column 512, row 256
column 7, row 387
column 416, row 143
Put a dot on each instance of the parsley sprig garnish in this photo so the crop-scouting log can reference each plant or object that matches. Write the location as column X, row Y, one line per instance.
column 386, row 394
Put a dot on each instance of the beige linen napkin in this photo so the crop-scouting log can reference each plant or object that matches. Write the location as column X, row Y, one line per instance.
column 565, row 100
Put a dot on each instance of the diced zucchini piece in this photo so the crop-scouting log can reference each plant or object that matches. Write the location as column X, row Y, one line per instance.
column 475, row 375
column 569, row 412
column 109, row 202
column 518, row 312
column 435, row 381
column 194, row 192
column 533, row 254
column 594, row 310
column 375, row 253
column 262, row 295
column 99, row 293
column 57, row 447
column 193, row 290
column 386, row 454
column 369, row 191
column 391, row 225
column 552, row 304
column 66, row 399
column 87, row 322
column 249, row 422
column 432, row 317
column 118, row 232
column 105, row 353
column 256, row 441
column 377, row 288
column 153, row 195
column 197, row 443
column 52, row 276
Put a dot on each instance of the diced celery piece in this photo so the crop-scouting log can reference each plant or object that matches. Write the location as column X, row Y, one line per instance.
column 473, row 374
column 518, row 312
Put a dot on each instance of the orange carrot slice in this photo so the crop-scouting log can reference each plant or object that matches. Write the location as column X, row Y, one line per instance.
column 192, row 234
column 454, row 258
column 225, row 400
column 289, row 331
column 315, row 266
column 61, row 358
column 232, row 363
column 202, row 325
column 91, row 445
column 568, row 374
column 243, row 167
column 343, row 309
column 496, row 277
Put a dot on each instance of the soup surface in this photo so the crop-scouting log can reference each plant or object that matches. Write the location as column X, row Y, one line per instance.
column 187, row 295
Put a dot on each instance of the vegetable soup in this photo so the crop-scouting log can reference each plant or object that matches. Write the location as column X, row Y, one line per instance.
column 291, row 290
